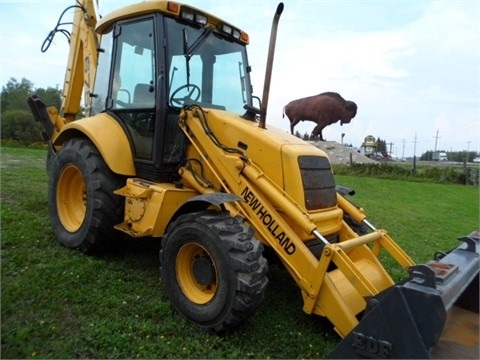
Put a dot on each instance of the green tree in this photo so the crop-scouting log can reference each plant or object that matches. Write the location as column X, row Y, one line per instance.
column 381, row 146
column 50, row 96
column 17, row 122
column 14, row 94
column 19, row 125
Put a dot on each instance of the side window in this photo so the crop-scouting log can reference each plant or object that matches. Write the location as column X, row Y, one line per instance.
column 230, row 92
column 103, row 75
column 134, row 72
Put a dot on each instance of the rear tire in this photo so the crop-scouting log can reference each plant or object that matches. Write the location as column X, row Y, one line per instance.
column 83, row 208
column 213, row 269
column 50, row 159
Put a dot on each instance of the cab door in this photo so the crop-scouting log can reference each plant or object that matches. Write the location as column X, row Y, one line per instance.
column 138, row 98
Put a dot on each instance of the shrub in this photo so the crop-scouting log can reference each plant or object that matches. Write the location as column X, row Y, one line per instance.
column 19, row 125
column 449, row 175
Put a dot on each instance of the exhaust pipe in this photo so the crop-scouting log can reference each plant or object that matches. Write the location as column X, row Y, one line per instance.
column 268, row 71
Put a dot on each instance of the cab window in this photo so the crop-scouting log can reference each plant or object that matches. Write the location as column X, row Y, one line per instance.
column 133, row 83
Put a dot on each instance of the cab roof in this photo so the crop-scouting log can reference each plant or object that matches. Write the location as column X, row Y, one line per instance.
column 153, row 6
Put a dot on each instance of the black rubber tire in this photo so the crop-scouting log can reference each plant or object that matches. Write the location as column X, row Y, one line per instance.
column 82, row 206
column 50, row 159
column 237, row 279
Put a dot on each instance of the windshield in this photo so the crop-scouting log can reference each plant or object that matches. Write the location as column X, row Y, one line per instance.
column 206, row 69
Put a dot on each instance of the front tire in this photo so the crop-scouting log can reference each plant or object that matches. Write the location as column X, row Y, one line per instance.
column 82, row 205
column 213, row 269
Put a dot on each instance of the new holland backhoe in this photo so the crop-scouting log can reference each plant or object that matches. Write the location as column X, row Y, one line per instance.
column 172, row 144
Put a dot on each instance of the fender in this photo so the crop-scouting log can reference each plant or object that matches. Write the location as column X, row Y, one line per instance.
column 109, row 138
column 203, row 201
column 215, row 198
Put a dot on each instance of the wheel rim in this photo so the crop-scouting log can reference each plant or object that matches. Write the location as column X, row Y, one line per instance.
column 196, row 273
column 71, row 198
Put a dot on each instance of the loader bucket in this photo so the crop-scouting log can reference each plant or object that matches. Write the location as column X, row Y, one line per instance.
column 406, row 320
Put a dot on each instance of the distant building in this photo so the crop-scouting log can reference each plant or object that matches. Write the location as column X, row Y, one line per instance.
column 369, row 146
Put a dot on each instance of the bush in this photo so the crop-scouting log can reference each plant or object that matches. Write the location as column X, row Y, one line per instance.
column 19, row 125
column 379, row 170
column 449, row 175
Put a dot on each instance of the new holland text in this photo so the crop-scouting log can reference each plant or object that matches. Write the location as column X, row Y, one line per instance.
column 268, row 221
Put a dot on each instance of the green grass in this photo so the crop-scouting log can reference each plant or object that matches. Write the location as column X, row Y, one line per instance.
column 58, row 303
column 421, row 217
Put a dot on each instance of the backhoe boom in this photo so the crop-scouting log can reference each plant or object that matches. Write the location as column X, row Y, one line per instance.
column 82, row 61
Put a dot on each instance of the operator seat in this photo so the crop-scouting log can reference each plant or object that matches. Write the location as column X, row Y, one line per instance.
column 144, row 96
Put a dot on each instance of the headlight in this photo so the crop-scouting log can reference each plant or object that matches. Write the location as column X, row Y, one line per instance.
column 187, row 15
column 201, row 19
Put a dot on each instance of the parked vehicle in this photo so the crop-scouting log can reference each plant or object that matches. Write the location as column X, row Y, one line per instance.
column 440, row 156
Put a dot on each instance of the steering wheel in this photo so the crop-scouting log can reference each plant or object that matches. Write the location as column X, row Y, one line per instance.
column 192, row 95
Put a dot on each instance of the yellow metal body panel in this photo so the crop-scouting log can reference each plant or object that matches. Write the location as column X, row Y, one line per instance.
column 150, row 206
column 276, row 153
column 109, row 138
column 328, row 221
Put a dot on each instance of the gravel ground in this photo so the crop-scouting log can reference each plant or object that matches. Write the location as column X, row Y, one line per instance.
column 340, row 154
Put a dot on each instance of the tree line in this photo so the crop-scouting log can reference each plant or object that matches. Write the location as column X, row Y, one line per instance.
column 17, row 122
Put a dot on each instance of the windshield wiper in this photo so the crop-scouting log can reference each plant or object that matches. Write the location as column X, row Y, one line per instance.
column 189, row 51
column 187, row 55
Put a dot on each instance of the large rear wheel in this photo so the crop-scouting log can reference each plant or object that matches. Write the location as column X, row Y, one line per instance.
column 213, row 269
column 82, row 205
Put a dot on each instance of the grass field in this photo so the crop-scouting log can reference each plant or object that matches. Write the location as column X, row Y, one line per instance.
column 58, row 303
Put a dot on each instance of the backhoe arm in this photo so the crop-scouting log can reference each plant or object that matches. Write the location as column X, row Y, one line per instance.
column 82, row 61
column 80, row 72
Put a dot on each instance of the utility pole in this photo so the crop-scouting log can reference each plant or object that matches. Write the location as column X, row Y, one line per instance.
column 468, row 149
column 403, row 150
column 414, row 155
column 415, row 146
column 391, row 144
column 465, row 168
column 436, row 140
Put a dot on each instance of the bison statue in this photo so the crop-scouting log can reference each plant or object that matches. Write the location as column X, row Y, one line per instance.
column 324, row 109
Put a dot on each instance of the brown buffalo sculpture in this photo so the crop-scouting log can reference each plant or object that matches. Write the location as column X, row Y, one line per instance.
column 324, row 109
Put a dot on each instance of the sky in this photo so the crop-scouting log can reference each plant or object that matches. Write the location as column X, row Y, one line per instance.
column 411, row 66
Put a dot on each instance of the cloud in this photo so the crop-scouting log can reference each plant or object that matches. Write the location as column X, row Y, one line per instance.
column 412, row 67
column 418, row 77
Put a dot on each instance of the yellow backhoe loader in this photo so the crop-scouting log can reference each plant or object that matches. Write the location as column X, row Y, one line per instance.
column 172, row 146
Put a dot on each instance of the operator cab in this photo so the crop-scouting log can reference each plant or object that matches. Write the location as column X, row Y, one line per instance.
column 152, row 65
